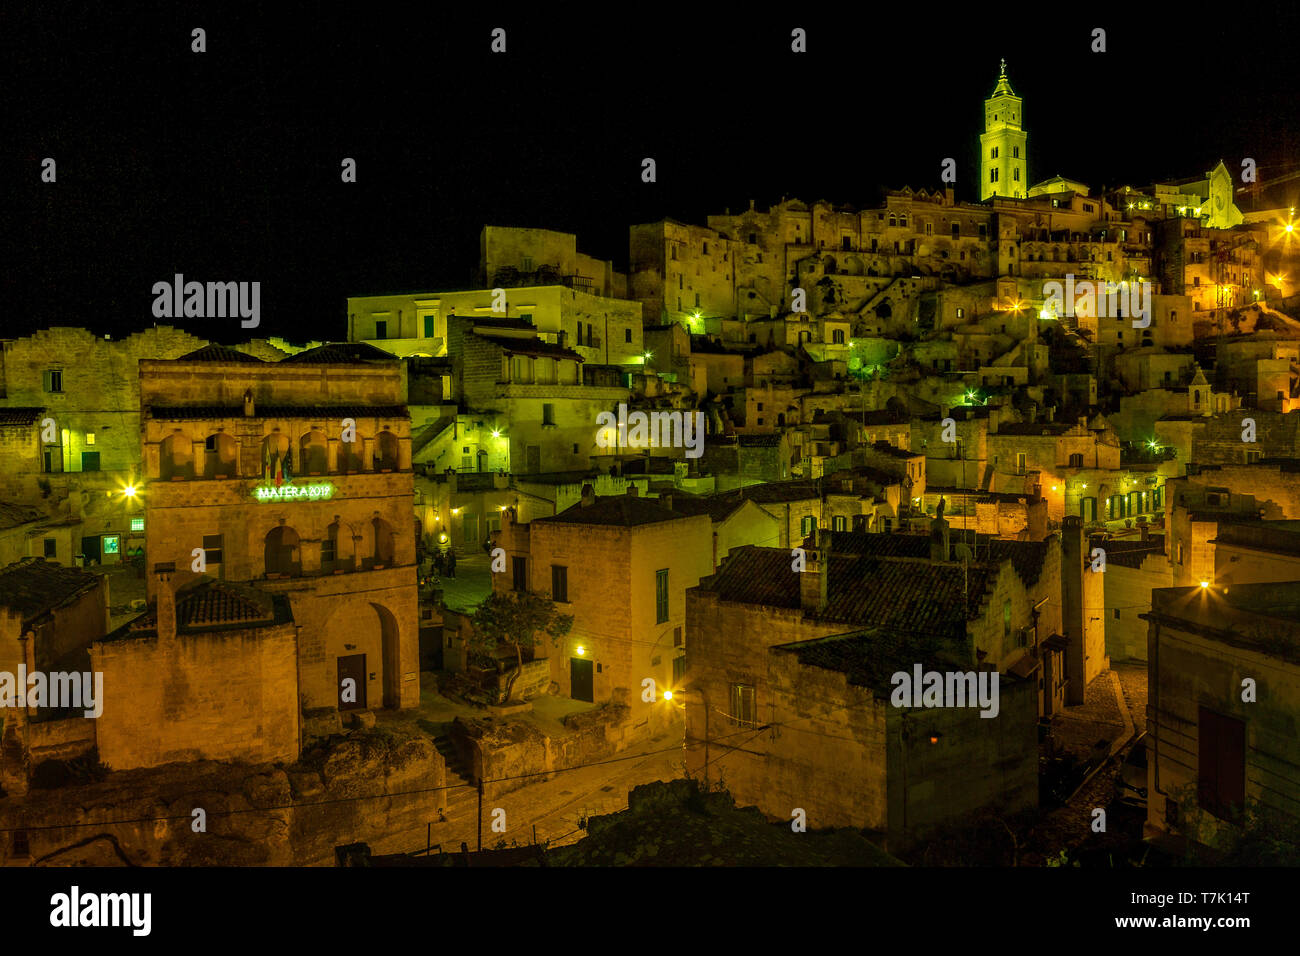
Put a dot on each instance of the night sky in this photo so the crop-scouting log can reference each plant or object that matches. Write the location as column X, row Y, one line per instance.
column 225, row 166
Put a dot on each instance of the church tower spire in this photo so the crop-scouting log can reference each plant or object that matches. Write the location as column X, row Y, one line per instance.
column 1003, row 154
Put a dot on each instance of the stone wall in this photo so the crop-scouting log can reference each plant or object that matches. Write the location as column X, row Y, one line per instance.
column 217, row 695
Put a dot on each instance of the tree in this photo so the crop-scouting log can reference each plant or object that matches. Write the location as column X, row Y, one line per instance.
column 515, row 618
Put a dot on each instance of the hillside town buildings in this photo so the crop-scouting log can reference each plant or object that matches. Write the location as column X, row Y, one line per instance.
column 918, row 451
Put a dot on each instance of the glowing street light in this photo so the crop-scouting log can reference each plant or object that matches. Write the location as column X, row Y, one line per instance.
column 129, row 491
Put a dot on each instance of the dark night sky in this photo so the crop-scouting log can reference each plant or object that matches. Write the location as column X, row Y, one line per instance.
column 225, row 165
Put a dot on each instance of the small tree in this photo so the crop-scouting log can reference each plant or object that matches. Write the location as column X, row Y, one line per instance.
column 515, row 618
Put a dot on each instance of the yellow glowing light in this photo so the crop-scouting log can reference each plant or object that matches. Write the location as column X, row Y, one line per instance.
column 581, row 651
column 455, row 511
column 501, row 507
column 1205, row 584
column 668, row 695
column 1053, row 487
column 1084, row 486
column 442, row 537
column 1290, row 227
column 649, row 356
column 129, row 491
column 496, row 433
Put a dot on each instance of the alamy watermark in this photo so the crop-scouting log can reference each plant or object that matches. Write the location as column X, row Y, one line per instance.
column 652, row 430
column 57, row 690
column 213, row 300
column 947, row 689
column 1095, row 297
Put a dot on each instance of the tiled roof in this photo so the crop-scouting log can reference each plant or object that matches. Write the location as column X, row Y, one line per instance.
column 1026, row 557
column 911, row 594
column 217, row 603
column 518, row 346
column 622, row 510
column 200, row 412
column 19, row 415
column 217, row 353
column 759, row 441
column 775, row 491
column 870, row 658
column 342, row 353
column 212, row 605
column 718, row 509
column 893, row 451
column 33, row 586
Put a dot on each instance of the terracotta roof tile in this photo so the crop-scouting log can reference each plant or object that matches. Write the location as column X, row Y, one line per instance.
column 34, row 586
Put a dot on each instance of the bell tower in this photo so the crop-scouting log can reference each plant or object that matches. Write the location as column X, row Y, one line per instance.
column 1003, row 159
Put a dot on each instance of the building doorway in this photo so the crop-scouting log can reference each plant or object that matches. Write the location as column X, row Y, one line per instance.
column 581, row 680
column 352, row 696
column 90, row 550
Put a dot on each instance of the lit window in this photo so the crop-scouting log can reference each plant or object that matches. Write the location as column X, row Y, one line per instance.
column 137, row 524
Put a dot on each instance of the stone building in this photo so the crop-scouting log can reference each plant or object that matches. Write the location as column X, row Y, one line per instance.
column 207, row 674
column 787, row 694
column 621, row 566
column 295, row 478
column 1216, row 747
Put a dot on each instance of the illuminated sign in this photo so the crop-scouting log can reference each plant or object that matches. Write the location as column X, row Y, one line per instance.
column 317, row 491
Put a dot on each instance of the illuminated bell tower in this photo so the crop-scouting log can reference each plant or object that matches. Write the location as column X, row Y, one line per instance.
column 1003, row 170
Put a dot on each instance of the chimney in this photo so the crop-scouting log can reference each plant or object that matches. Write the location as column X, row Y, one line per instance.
column 632, row 491
column 940, row 542
column 165, row 601
column 588, row 496
column 949, row 196
column 812, row 582
column 1083, row 423
column 248, row 403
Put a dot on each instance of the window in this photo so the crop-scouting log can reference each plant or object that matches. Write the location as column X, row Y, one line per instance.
column 808, row 525
column 112, row 544
column 90, row 461
column 679, row 669
column 51, row 547
column 743, row 710
column 956, row 230
column 1252, row 457
column 519, row 573
column 548, row 414
column 839, row 523
column 993, row 175
column 1015, row 174
column 627, row 335
column 984, row 230
column 1076, row 461
column 137, row 524
column 929, row 229
column 90, row 436
column 329, row 551
column 697, row 300
column 704, row 248
column 54, row 379
column 753, row 238
column 526, row 264
column 428, row 326
column 381, row 328
column 837, row 337
column 677, row 637
column 993, row 153
column 846, row 243
column 559, row 583
column 661, row 596
column 1221, row 764
column 212, row 548
column 673, row 252
column 1117, row 614
column 961, row 313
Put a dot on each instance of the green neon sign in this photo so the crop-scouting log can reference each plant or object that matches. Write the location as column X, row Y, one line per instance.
column 316, row 491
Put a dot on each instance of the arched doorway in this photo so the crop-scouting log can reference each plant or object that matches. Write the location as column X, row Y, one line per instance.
column 283, row 557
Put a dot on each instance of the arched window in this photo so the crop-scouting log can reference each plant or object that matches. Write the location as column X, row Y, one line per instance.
column 350, row 454
column 384, row 544
column 176, row 457
column 336, row 549
column 220, row 456
column 313, row 454
column 277, row 460
column 283, row 557
column 386, row 452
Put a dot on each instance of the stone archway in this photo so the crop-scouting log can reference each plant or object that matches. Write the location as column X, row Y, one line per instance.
column 391, row 656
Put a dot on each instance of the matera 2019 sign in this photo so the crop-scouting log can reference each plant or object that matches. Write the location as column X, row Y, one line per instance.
column 316, row 491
